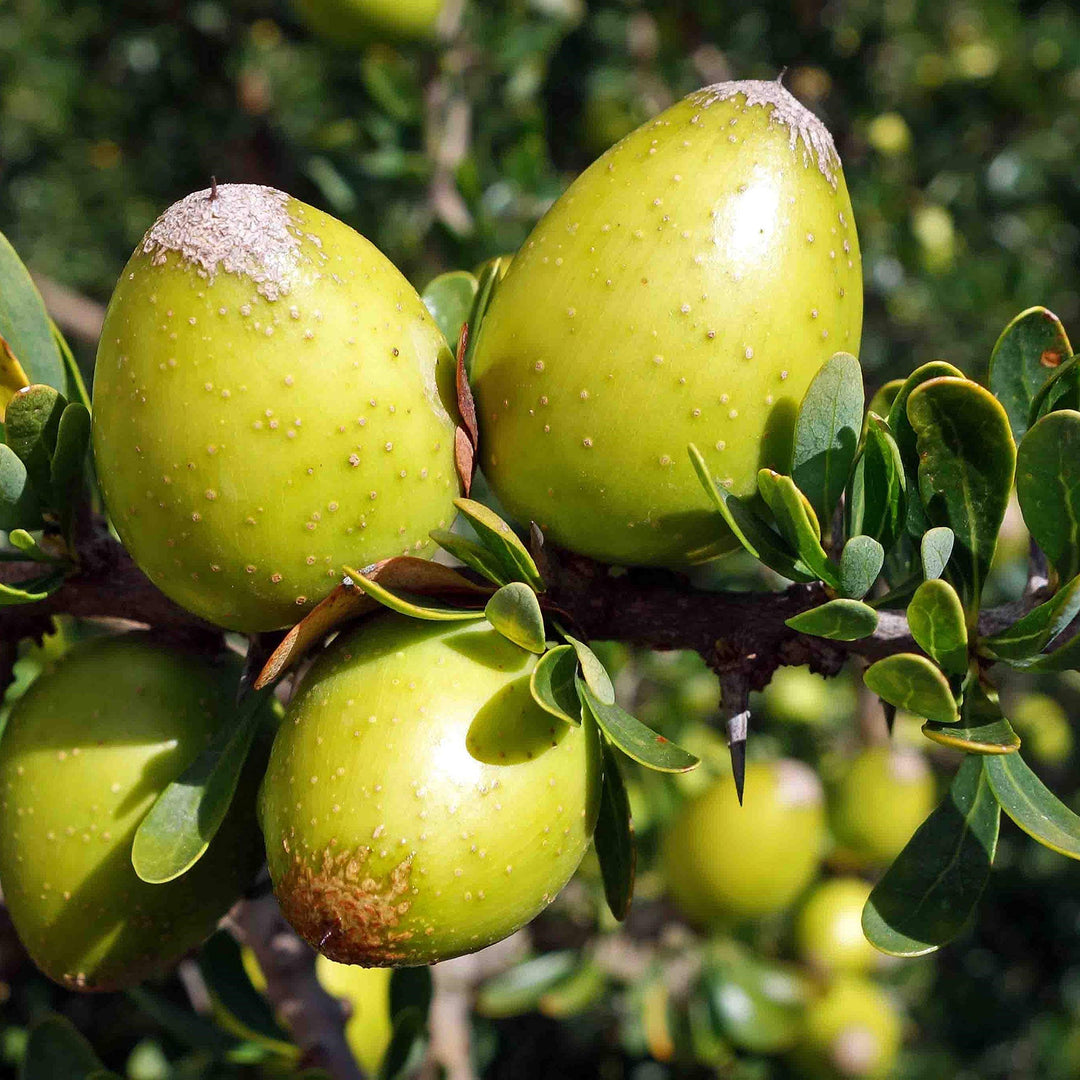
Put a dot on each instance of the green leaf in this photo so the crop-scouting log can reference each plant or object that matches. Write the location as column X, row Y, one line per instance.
column 614, row 838
column 827, row 430
column 860, row 563
column 406, row 1041
column 410, row 988
column 22, row 541
column 759, row 1007
column 31, row 424
column 1064, row 658
column 796, row 521
column 552, row 684
column 56, row 1050
column 1032, row 805
column 474, row 555
column 519, row 989
column 406, row 603
column 1026, row 356
column 982, row 728
column 966, row 459
column 913, row 683
column 881, row 402
column 1061, row 391
column 30, row 592
column 502, row 542
column 754, row 534
column 1028, row 636
column 936, row 618
column 930, row 891
column 633, row 738
column 838, row 620
column 184, row 818
column 232, row 994
column 449, row 298
column 69, row 455
column 593, row 671
column 904, row 434
column 75, row 387
column 877, row 494
column 1048, row 488
column 515, row 612
column 24, row 322
column 936, row 549
column 18, row 503
column 491, row 273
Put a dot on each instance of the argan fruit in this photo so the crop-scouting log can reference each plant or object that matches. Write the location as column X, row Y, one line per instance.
column 366, row 991
column 86, row 751
column 725, row 862
column 1044, row 727
column 418, row 803
column 828, row 930
column 883, row 795
column 852, row 1031
column 271, row 398
column 686, row 288
column 359, row 22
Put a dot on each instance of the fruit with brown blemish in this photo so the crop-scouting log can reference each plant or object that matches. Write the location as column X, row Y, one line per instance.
column 880, row 798
column 686, row 288
column 85, row 753
column 418, row 803
column 271, row 399
column 725, row 863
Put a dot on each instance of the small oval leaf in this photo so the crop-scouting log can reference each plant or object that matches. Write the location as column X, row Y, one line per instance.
column 614, row 838
column 449, row 298
column 593, row 671
column 497, row 536
column 936, row 618
column 552, row 684
column 515, row 612
column 838, row 620
column 860, row 563
column 936, row 549
column 913, row 683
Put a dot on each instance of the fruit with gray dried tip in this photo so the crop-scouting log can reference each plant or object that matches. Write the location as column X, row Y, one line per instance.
column 418, row 803
column 271, row 399
column 686, row 288
column 86, row 751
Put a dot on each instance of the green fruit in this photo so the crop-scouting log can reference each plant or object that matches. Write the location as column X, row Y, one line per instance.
column 686, row 288
column 727, row 862
column 852, row 1030
column 355, row 22
column 271, row 399
column 85, row 753
column 1044, row 727
column 882, row 797
column 796, row 695
column 418, row 803
column 829, row 928
column 367, row 992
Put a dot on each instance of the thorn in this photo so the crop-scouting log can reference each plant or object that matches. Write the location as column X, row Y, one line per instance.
column 890, row 715
column 737, row 727
column 213, row 188
column 780, row 77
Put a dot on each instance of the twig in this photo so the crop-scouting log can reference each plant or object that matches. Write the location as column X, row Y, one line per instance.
column 74, row 314
column 315, row 1019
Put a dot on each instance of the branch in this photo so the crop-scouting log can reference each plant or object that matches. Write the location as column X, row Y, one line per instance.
column 315, row 1020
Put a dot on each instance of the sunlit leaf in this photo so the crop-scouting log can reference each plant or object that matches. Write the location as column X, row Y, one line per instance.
column 417, row 605
column 877, row 493
column 913, row 683
column 552, row 684
column 796, row 521
column 1032, row 805
column 593, row 671
column 614, row 838
column 31, row 425
column 936, row 549
column 449, row 298
column 839, row 620
column 474, row 555
column 18, row 503
column 515, row 613
column 936, row 618
column 860, row 564
column 1028, row 636
column 981, row 729
column 497, row 536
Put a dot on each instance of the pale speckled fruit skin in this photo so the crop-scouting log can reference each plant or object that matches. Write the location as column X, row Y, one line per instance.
column 595, row 366
column 882, row 797
column 367, row 991
column 725, row 863
column 357, row 22
column 85, row 753
column 828, row 930
column 418, row 804
column 224, row 453
column 853, row 1030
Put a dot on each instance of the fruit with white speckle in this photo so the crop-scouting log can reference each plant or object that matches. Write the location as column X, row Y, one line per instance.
column 418, row 803
column 686, row 288
column 271, row 399
column 85, row 753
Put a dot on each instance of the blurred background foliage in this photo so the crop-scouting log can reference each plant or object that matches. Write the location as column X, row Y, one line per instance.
column 959, row 125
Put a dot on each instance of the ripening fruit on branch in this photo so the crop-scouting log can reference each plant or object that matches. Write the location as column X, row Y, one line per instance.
column 883, row 795
column 418, row 803
column 829, row 931
column 85, row 753
column 852, row 1031
column 725, row 862
column 686, row 288
column 271, row 398
column 355, row 22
